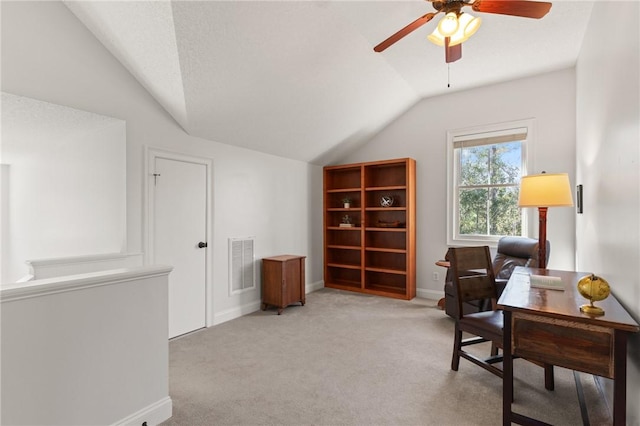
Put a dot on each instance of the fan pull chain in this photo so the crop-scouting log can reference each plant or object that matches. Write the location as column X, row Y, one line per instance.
column 448, row 75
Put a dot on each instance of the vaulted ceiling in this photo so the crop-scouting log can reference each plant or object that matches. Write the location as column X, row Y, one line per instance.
column 300, row 79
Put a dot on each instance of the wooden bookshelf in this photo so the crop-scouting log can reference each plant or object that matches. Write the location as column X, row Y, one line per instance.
column 376, row 255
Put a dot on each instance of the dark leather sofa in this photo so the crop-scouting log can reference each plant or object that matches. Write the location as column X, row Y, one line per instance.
column 511, row 252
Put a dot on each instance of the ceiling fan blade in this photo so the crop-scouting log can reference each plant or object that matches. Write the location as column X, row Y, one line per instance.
column 403, row 32
column 523, row 8
column 451, row 53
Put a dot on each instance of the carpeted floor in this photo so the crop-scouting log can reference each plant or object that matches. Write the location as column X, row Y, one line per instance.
column 352, row 359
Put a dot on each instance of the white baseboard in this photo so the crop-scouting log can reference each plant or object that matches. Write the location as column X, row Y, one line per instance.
column 420, row 292
column 310, row 288
column 233, row 313
column 429, row 294
column 150, row 415
column 605, row 389
column 251, row 307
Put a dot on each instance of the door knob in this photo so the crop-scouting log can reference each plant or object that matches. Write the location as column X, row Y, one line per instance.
column 202, row 245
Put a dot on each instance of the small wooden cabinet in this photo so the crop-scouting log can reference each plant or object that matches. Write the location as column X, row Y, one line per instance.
column 282, row 281
column 369, row 244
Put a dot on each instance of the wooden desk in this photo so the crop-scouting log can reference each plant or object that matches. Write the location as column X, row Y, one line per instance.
column 547, row 326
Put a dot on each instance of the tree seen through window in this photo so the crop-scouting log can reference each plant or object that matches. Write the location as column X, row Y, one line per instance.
column 488, row 181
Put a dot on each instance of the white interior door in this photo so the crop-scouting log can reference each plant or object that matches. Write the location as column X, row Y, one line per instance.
column 180, row 224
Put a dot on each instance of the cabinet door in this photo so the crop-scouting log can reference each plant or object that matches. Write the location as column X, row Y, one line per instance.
column 291, row 290
column 272, row 284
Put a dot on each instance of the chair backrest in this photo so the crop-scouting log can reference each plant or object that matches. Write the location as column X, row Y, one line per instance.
column 516, row 251
column 472, row 275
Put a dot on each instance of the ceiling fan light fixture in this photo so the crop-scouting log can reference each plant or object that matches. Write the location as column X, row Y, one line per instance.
column 456, row 27
column 449, row 24
column 436, row 38
column 469, row 24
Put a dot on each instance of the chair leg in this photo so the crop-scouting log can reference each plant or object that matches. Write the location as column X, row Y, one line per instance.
column 494, row 349
column 549, row 382
column 457, row 345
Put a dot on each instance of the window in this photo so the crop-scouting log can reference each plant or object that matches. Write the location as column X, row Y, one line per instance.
column 485, row 167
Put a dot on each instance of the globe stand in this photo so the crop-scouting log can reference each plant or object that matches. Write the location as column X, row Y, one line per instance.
column 593, row 288
column 590, row 309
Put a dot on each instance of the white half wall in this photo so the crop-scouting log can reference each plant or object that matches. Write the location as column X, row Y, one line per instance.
column 59, row 267
column 421, row 134
column 86, row 349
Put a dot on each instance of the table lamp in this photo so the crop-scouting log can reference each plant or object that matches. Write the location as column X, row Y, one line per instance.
column 543, row 191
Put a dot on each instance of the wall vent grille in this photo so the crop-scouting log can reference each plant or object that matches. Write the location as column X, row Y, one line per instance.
column 242, row 270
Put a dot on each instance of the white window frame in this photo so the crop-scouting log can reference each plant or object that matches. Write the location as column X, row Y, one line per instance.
column 479, row 132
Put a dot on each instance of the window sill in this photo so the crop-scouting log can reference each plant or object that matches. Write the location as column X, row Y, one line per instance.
column 470, row 242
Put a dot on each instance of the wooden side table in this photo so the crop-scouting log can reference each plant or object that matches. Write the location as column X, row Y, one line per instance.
column 282, row 281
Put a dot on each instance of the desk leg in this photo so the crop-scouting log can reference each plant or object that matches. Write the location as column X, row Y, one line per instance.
column 620, row 378
column 507, row 371
column 549, row 381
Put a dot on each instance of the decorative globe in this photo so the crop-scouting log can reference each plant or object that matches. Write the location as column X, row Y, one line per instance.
column 593, row 288
column 386, row 201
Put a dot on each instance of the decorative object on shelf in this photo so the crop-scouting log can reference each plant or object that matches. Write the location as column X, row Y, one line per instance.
column 347, row 202
column 593, row 288
column 346, row 222
column 393, row 224
column 386, row 201
column 543, row 191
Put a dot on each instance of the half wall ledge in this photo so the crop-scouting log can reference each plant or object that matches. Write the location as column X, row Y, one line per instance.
column 47, row 286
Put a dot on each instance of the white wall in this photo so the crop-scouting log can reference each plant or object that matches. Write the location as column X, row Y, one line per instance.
column 66, row 191
column 608, row 163
column 48, row 54
column 421, row 134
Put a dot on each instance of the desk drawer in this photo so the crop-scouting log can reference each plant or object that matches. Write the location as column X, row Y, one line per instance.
column 569, row 344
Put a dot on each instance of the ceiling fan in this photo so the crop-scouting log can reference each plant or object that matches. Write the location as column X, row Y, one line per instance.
column 456, row 26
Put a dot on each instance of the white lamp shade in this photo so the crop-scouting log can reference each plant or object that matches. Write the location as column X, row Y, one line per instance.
column 545, row 190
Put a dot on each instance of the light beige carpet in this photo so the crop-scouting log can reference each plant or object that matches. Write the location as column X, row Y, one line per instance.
column 351, row 359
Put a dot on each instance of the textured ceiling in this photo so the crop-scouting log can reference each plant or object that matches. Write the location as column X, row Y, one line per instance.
column 299, row 79
column 28, row 121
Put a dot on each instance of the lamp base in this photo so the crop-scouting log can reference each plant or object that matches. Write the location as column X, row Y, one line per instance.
column 592, row 310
